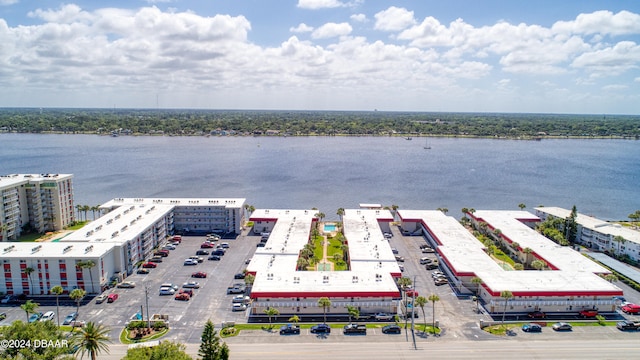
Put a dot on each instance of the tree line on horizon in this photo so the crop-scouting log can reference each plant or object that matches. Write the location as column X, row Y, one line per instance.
column 305, row 123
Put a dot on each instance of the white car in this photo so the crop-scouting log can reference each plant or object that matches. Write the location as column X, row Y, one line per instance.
column 170, row 285
column 240, row 299
column 48, row 316
column 190, row 262
column 425, row 260
column 383, row 317
column 167, row 291
column 101, row 298
column 191, row 285
column 238, row 307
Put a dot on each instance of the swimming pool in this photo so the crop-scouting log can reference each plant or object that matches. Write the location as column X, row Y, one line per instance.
column 329, row 227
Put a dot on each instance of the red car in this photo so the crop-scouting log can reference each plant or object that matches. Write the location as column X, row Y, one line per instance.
column 183, row 297
column 207, row 246
column 537, row 315
column 631, row 308
column 412, row 293
column 589, row 313
column 199, row 274
column 149, row 265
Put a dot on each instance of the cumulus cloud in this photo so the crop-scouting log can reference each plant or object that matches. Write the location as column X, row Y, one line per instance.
column 320, row 4
column 330, row 30
column 617, row 59
column 301, row 28
column 8, row 2
column 601, row 22
column 394, row 19
column 358, row 17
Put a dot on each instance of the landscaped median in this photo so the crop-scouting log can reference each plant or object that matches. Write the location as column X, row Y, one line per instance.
column 137, row 331
column 504, row 329
column 230, row 331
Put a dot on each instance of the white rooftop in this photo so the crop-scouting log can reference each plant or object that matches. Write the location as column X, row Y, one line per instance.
column 371, row 267
column 48, row 250
column 595, row 224
column 226, row 202
column 8, row 181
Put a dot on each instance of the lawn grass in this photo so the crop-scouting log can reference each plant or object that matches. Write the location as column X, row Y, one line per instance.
column 124, row 336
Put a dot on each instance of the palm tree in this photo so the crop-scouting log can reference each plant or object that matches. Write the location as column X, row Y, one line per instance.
column 85, row 210
column 79, row 208
column 421, row 301
column 77, row 295
column 319, row 215
column 340, row 213
column 302, row 263
column 477, row 282
column 29, row 270
column 29, row 307
column 611, row 278
column 506, row 295
column 324, row 302
column 271, row 312
column 88, row 264
column 433, row 298
column 353, row 312
column 619, row 239
column 538, row 264
column 294, row 319
column 248, row 281
column 522, row 206
column 92, row 339
column 518, row 266
column 527, row 251
column 443, row 210
column 57, row 291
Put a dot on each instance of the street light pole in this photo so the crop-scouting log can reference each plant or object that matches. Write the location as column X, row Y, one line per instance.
column 413, row 309
column 146, row 298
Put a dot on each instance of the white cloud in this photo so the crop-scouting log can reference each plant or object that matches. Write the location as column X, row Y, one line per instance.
column 394, row 19
column 359, row 17
column 330, row 30
column 8, row 2
column 623, row 56
column 320, row 4
column 301, row 28
column 615, row 87
column 601, row 22
column 66, row 14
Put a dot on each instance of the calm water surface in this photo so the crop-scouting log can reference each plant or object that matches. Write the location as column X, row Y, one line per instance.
column 601, row 177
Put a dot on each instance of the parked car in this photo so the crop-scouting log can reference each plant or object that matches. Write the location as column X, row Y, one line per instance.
column 399, row 258
column 202, row 252
column 238, row 307
column 143, row 271
column 425, row 260
column 214, row 258
column 126, row 285
column 224, row 245
column 428, row 250
column 383, row 317
column 240, row 299
column 401, row 267
column 247, row 261
column 431, row 266
column 167, row 291
column 536, row 315
column 289, row 329
column 631, row 308
column 391, row 329
column 101, row 298
column 156, row 259
column 170, row 285
column 189, row 262
column 628, row 325
column 394, row 251
column 561, row 326
column 207, row 245
column 260, row 245
column 149, row 265
column 197, row 258
column 321, row 329
column 354, row 329
column 182, row 297
column 169, row 247
column 112, row 297
column 161, row 253
column 239, row 276
column 186, row 291
column 69, row 318
column 531, row 328
column 441, row 281
column 235, row 290
column 589, row 313
column 199, row 274
column 411, row 293
column 49, row 315
column 191, row 285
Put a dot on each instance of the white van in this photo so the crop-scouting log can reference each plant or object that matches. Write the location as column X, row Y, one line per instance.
column 48, row 316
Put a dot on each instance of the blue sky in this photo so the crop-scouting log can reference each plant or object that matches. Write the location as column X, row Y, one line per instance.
column 469, row 56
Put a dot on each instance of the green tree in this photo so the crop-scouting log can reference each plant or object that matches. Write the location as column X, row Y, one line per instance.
column 29, row 270
column 210, row 347
column 248, row 281
column 57, row 291
column 88, row 264
column 506, row 295
column 538, row 264
column 77, row 295
column 92, row 340
column 271, row 312
column 522, row 206
column 324, row 303
column 477, row 282
column 164, row 351
column 619, row 240
column 294, row 319
column 353, row 312
column 421, row 301
column 527, row 252
column 29, row 308
column 433, row 298
column 572, row 226
column 41, row 330
column 518, row 266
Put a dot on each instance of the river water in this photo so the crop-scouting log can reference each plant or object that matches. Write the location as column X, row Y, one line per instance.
column 600, row 177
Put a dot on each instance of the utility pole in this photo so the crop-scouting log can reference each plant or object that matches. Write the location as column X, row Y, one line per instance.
column 413, row 309
column 146, row 298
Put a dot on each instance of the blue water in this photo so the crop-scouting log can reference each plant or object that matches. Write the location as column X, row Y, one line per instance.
column 329, row 227
column 600, row 177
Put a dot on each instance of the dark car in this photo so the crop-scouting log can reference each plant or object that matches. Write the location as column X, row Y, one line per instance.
column 431, row 266
column 202, row 252
column 354, row 329
column 531, row 328
column 536, row 315
column 239, row 276
column 391, row 329
column 143, row 271
column 321, row 329
column 214, row 257
column 156, row 259
column 289, row 329
column 218, row 252
column 628, row 325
